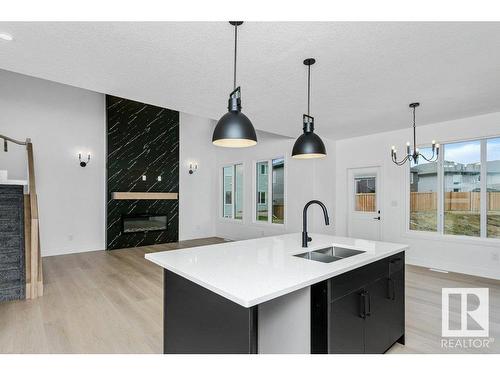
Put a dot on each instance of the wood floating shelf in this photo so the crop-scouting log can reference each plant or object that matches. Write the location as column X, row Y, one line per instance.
column 121, row 195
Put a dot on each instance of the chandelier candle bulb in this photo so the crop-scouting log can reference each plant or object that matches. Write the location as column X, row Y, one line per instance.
column 407, row 148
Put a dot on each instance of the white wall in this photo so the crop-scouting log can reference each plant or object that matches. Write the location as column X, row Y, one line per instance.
column 196, row 191
column 304, row 180
column 61, row 121
column 470, row 256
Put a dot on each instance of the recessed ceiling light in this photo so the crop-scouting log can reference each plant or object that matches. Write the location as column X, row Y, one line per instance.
column 5, row 36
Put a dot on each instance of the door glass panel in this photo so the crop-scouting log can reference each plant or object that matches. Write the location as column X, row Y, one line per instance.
column 278, row 190
column 423, row 193
column 365, row 194
column 493, row 187
column 462, row 188
column 262, row 189
column 227, row 192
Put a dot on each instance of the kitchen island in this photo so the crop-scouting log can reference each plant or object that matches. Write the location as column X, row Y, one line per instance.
column 340, row 295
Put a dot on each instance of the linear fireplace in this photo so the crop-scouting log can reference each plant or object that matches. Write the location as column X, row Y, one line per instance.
column 142, row 176
column 144, row 223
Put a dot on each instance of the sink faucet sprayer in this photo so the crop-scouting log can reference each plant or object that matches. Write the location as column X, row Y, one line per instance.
column 305, row 237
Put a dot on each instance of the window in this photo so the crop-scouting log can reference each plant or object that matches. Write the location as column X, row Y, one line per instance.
column 423, row 194
column 462, row 190
column 262, row 188
column 232, row 192
column 460, row 193
column 365, row 199
column 238, row 192
column 278, row 190
column 493, row 187
column 270, row 185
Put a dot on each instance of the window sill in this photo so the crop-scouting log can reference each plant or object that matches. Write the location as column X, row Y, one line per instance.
column 231, row 221
column 479, row 241
column 267, row 224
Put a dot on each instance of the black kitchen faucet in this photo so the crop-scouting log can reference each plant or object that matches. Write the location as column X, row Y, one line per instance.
column 305, row 237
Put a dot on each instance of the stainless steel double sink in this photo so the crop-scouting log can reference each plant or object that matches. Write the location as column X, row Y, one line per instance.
column 329, row 254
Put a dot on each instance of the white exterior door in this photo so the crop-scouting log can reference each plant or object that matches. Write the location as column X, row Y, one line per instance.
column 364, row 194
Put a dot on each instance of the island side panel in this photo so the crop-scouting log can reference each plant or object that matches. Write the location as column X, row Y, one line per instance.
column 285, row 324
column 199, row 321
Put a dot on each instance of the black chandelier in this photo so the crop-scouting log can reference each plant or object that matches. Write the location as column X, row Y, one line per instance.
column 234, row 129
column 309, row 145
column 415, row 153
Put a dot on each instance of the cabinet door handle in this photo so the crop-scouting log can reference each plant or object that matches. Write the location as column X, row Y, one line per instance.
column 368, row 302
column 391, row 289
column 377, row 218
column 362, row 305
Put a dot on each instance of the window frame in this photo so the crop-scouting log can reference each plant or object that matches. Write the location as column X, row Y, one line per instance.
column 222, row 195
column 269, row 192
column 439, row 235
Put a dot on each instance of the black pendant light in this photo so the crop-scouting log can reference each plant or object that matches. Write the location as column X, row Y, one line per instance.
column 234, row 129
column 309, row 145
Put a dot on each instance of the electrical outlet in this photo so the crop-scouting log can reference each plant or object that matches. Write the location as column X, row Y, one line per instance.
column 144, row 178
column 495, row 257
column 159, row 178
column 70, row 237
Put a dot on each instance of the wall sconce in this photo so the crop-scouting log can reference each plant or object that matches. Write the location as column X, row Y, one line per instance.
column 193, row 167
column 83, row 163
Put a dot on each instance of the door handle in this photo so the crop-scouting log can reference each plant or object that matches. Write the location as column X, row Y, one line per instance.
column 377, row 218
column 391, row 289
column 368, row 303
column 362, row 305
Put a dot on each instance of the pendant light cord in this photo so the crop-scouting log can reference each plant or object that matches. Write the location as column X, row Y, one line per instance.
column 235, row 50
column 308, row 88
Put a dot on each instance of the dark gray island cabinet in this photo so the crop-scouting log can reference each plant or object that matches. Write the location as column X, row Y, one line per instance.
column 257, row 296
column 361, row 311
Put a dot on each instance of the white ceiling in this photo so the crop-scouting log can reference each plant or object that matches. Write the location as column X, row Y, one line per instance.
column 364, row 78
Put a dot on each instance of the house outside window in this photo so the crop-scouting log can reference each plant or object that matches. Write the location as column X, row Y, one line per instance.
column 270, row 185
column 460, row 193
column 232, row 192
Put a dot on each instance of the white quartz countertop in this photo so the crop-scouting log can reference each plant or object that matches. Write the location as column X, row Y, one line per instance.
column 13, row 182
column 251, row 272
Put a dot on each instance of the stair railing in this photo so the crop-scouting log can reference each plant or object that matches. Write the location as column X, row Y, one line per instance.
column 33, row 262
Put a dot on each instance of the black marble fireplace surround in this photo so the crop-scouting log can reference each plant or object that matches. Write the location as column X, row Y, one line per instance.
column 142, row 140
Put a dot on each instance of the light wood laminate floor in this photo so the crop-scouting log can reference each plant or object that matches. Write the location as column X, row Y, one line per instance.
column 111, row 302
